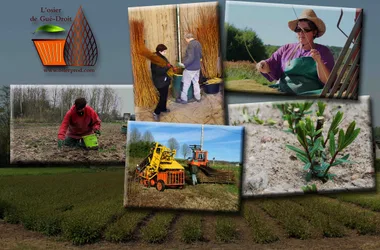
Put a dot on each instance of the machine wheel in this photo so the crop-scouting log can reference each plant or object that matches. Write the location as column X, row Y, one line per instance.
column 152, row 183
column 160, row 186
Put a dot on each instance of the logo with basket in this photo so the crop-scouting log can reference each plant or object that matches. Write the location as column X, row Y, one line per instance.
column 77, row 49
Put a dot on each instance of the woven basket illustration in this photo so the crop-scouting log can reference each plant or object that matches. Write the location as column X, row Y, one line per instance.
column 80, row 48
column 50, row 51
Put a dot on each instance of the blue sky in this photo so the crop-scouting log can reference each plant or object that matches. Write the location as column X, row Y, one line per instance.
column 270, row 21
column 222, row 142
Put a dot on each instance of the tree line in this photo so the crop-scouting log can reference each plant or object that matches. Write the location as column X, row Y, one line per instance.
column 42, row 104
column 140, row 144
column 4, row 126
column 243, row 42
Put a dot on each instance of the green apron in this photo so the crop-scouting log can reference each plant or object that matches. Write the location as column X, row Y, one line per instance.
column 300, row 77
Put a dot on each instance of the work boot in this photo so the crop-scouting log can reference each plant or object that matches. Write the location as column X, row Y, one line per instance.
column 156, row 117
column 179, row 100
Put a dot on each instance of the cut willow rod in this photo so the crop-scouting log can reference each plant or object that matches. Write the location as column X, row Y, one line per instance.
column 254, row 61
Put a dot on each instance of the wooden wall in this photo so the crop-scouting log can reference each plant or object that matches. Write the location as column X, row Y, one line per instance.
column 160, row 24
column 188, row 14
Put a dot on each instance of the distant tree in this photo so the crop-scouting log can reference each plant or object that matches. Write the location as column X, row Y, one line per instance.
column 185, row 150
column 139, row 149
column 135, row 135
column 270, row 49
column 148, row 137
column 173, row 144
column 237, row 39
column 4, row 125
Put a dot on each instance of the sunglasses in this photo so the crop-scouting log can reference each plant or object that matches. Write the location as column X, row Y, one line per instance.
column 298, row 30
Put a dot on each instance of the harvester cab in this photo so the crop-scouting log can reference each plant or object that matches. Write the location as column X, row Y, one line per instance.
column 200, row 157
column 160, row 169
column 199, row 161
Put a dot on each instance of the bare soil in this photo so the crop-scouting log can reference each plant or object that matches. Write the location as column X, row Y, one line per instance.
column 15, row 237
column 38, row 144
column 271, row 168
column 210, row 110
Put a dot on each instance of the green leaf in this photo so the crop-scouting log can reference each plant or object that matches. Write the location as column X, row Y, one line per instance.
column 350, row 129
column 50, row 28
column 308, row 176
column 316, row 147
column 318, row 168
column 300, row 151
column 300, row 140
column 257, row 120
column 318, row 132
column 341, row 140
column 321, row 174
column 342, row 160
column 307, row 166
column 302, row 158
column 351, row 138
column 271, row 122
column 332, row 143
column 325, row 165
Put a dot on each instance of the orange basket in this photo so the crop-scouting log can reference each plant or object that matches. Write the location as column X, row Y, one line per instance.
column 51, row 51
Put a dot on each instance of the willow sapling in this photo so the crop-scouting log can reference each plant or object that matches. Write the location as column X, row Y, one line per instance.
column 293, row 113
column 313, row 154
column 255, row 118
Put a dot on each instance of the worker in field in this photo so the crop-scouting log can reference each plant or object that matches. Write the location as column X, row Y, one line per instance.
column 161, row 81
column 79, row 121
column 192, row 65
column 301, row 68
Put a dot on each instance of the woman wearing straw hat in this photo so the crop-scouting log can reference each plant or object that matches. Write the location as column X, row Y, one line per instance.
column 300, row 68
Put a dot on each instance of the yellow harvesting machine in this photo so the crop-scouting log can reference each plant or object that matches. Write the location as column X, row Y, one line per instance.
column 160, row 169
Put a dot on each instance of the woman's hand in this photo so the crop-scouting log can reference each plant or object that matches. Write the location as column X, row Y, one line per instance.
column 316, row 55
column 322, row 70
column 263, row 67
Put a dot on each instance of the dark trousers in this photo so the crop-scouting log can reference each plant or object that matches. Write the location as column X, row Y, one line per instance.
column 161, row 106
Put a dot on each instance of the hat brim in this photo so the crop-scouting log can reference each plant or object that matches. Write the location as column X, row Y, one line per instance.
column 317, row 21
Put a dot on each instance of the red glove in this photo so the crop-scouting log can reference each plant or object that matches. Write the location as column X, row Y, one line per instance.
column 169, row 65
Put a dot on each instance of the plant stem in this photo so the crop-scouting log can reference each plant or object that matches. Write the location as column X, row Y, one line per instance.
column 331, row 162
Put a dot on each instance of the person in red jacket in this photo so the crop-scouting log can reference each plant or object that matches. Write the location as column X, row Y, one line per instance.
column 79, row 121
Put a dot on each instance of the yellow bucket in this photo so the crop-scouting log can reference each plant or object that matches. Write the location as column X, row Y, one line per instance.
column 90, row 141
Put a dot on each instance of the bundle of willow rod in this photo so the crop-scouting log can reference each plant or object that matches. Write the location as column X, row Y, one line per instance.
column 145, row 93
column 206, row 29
column 154, row 58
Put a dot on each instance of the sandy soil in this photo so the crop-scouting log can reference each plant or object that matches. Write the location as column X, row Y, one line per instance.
column 15, row 237
column 37, row 144
column 209, row 111
column 271, row 168
column 249, row 85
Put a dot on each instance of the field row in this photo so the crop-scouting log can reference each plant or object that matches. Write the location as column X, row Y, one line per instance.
column 86, row 207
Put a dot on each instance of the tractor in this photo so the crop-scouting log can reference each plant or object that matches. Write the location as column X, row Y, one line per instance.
column 159, row 169
column 207, row 174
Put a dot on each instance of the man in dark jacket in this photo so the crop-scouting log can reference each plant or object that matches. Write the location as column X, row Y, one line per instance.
column 192, row 64
column 161, row 81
